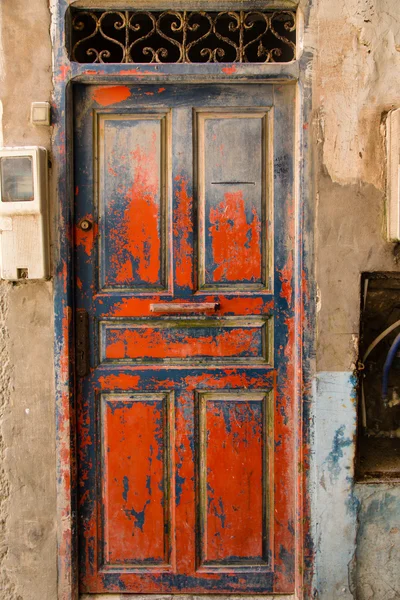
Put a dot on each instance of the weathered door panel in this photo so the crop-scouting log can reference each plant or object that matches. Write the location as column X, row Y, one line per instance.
column 186, row 419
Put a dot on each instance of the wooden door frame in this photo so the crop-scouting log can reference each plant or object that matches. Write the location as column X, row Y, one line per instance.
column 65, row 74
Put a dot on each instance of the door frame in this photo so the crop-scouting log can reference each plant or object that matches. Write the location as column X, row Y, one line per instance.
column 65, row 74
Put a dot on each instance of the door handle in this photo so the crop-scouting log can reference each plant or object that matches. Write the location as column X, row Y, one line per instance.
column 183, row 307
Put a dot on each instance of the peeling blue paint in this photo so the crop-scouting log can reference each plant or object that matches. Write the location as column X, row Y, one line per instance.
column 287, row 561
column 125, row 483
column 179, row 483
column 221, row 514
column 339, row 442
column 352, row 502
column 378, row 541
column 334, row 509
column 139, row 515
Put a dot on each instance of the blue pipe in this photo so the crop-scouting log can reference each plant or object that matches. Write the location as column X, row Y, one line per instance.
column 386, row 368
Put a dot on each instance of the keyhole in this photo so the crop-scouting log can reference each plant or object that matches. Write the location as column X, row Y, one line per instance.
column 85, row 225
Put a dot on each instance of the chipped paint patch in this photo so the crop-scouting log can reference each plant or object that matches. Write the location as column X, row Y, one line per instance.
column 105, row 96
column 338, row 445
column 229, row 70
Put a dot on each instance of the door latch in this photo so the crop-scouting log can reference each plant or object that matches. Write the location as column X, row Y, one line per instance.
column 82, row 343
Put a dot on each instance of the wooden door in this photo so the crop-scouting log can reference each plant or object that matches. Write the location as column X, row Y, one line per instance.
column 184, row 236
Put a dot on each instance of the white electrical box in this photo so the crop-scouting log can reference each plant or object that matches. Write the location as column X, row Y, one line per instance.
column 24, row 231
column 393, row 174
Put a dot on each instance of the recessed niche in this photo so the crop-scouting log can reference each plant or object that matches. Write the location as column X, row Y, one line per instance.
column 378, row 448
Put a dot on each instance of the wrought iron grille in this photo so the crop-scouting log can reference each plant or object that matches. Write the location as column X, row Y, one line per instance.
column 126, row 36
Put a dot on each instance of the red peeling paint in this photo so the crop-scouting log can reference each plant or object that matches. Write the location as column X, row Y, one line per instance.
column 105, row 96
column 285, row 276
column 179, row 343
column 134, row 487
column 235, row 242
column 136, row 307
column 138, row 235
column 63, row 73
column 185, row 494
column 65, row 456
column 136, row 72
column 245, row 306
column 183, row 228
column 229, row 70
column 64, row 355
column 86, row 238
column 234, row 479
column 230, row 379
column 121, row 382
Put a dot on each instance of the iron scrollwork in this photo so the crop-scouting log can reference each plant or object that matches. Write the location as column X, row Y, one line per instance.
column 124, row 36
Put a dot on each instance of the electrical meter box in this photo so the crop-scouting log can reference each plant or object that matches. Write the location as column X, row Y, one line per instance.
column 24, row 230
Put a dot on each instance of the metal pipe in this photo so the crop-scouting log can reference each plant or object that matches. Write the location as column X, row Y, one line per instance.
column 378, row 339
column 386, row 369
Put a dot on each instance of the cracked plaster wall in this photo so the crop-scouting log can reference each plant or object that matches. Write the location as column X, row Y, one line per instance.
column 378, row 543
column 356, row 78
column 356, row 81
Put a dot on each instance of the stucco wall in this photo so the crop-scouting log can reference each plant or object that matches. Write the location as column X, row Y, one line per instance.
column 27, row 447
column 356, row 78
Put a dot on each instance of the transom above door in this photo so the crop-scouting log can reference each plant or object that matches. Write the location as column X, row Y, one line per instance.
column 184, row 236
